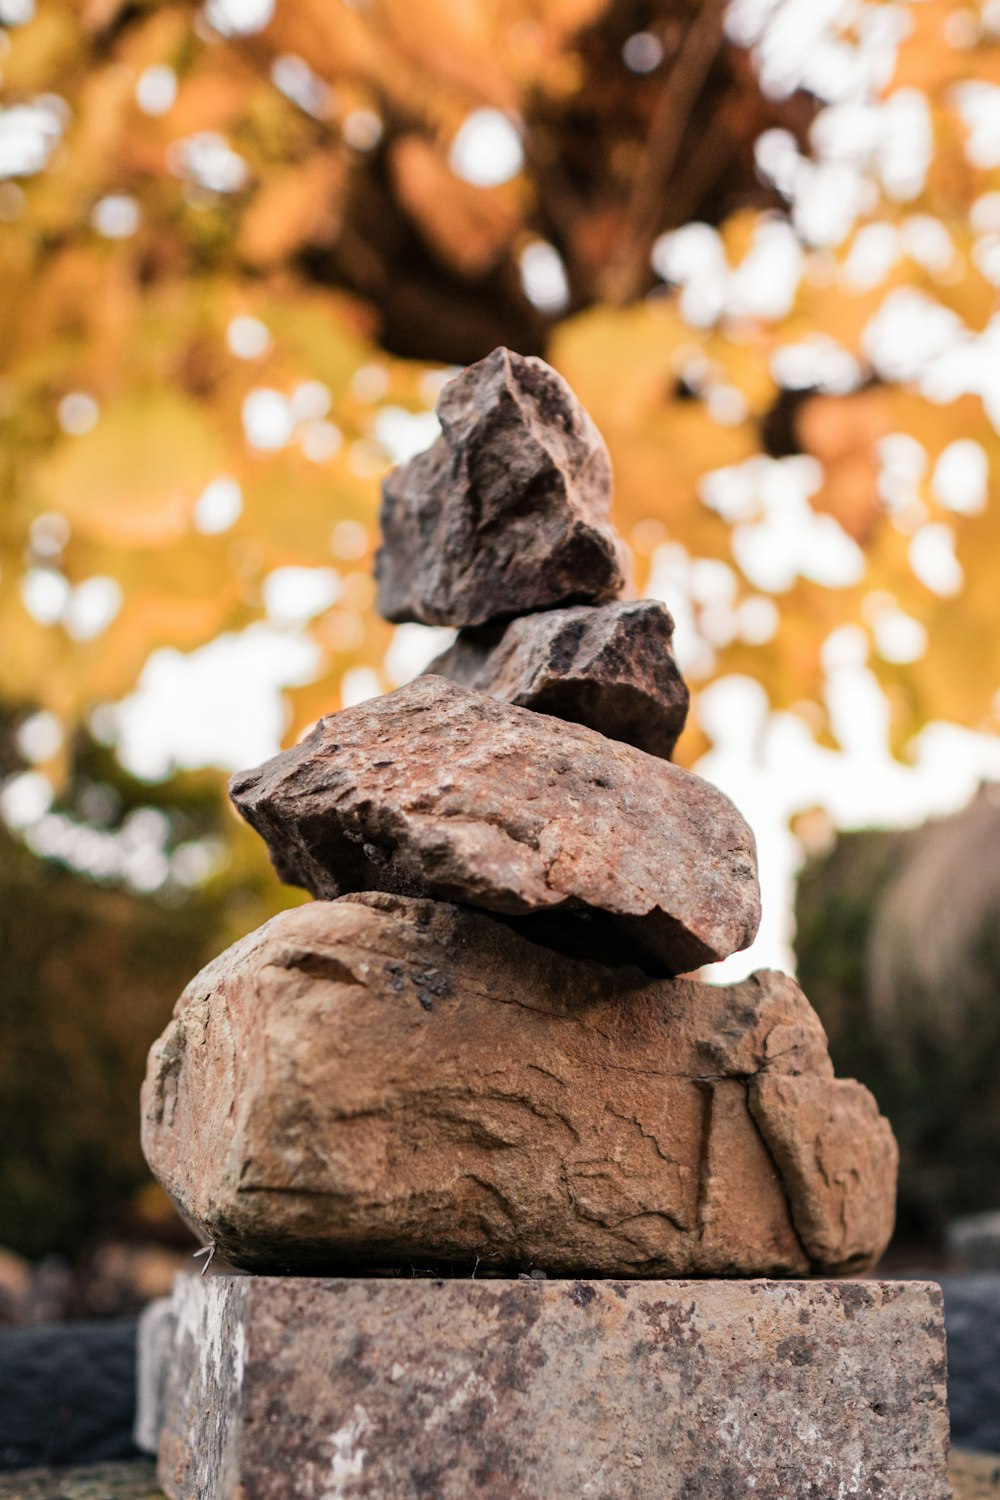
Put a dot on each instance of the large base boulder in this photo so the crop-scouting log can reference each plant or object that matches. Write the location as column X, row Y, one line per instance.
column 387, row 1390
column 379, row 1081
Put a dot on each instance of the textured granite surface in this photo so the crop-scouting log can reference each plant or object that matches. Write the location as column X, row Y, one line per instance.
column 395, row 1390
column 974, row 1476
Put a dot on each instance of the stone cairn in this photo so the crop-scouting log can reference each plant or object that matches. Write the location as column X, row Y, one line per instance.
column 459, row 1118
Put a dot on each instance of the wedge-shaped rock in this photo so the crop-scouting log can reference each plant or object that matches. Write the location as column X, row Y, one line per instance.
column 437, row 791
column 610, row 667
column 384, row 1082
column 507, row 511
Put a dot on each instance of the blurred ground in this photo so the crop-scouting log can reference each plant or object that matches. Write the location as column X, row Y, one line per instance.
column 974, row 1476
column 126, row 1481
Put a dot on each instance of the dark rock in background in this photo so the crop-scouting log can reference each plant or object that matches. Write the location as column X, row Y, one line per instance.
column 898, row 943
column 972, row 1322
column 973, row 1242
column 611, row 667
column 67, row 1393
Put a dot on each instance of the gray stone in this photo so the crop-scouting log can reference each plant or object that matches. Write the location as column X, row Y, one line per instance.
column 437, row 791
column 67, row 1393
column 508, row 511
column 972, row 1317
column 154, row 1343
column 609, row 666
column 296, row 1389
column 973, row 1242
column 383, row 1082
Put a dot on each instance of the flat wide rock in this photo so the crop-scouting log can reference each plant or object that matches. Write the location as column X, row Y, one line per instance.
column 435, row 790
column 380, row 1082
column 608, row 666
column 507, row 511
column 669, row 1390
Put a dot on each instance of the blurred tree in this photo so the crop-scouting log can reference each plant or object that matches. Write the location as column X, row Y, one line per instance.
column 899, row 949
column 219, row 221
column 87, row 981
column 240, row 243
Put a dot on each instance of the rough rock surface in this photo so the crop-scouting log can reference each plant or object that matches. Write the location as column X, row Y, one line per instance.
column 379, row 1081
column 610, row 667
column 437, row 791
column 824, row 1140
column 620, row 1390
column 507, row 511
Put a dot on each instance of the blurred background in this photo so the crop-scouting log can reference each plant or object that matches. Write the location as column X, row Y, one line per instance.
column 242, row 246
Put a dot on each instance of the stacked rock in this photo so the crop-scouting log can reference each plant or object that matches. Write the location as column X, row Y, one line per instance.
column 472, row 1056
column 472, row 1050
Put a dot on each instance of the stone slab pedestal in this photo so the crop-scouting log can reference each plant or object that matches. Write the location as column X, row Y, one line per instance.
column 355, row 1389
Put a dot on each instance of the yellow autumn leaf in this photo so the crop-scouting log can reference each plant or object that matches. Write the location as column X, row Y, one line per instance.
column 134, row 478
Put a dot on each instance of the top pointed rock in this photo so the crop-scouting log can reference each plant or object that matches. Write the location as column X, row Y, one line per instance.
column 507, row 512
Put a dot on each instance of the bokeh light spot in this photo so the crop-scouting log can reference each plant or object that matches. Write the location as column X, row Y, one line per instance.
column 78, row 413
column 487, row 149
column 156, row 89
column 267, row 420
column 116, row 217
column 247, row 338
column 219, row 506
column 349, row 541
column 362, row 129
column 543, row 277
column 642, row 52
column 239, row 17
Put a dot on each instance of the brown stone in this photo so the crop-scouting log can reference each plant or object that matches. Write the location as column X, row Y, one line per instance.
column 824, row 1140
column 379, row 1081
column 507, row 511
column 299, row 1389
column 437, row 791
column 610, row 667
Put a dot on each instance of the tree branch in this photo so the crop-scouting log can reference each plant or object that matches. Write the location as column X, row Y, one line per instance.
column 627, row 268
